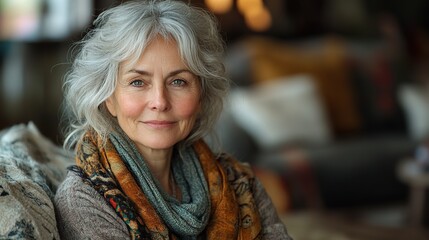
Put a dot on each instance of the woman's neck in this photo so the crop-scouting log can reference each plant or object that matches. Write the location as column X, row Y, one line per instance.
column 159, row 163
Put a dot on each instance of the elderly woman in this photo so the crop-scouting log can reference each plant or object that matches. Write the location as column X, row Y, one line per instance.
column 146, row 85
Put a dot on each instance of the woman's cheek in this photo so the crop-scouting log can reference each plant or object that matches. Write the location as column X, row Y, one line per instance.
column 190, row 108
column 131, row 107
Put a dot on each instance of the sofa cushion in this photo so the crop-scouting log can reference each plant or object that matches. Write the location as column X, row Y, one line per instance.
column 325, row 60
column 281, row 112
column 31, row 168
column 415, row 102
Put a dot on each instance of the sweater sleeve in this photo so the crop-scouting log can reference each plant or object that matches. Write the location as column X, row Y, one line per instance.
column 273, row 227
column 82, row 213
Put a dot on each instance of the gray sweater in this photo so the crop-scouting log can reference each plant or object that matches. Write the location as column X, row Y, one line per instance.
column 82, row 213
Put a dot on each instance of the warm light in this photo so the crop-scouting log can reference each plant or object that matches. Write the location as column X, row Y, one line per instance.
column 258, row 19
column 246, row 5
column 219, row 6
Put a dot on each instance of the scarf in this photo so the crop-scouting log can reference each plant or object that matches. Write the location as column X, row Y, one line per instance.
column 217, row 197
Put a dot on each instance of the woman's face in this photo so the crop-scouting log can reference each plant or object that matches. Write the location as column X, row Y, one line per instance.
column 156, row 100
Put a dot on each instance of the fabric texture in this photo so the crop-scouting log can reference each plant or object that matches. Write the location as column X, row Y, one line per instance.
column 31, row 168
column 83, row 213
column 233, row 213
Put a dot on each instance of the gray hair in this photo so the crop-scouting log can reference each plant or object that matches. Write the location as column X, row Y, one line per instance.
column 121, row 33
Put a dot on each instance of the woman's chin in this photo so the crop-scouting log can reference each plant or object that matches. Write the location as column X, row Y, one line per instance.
column 157, row 145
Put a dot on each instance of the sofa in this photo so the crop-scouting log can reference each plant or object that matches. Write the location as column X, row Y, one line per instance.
column 324, row 121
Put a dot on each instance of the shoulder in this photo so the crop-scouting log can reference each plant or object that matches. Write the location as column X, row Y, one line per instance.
column 73, row 189
column 81, row 212
column 235, row 167
column 241, row 176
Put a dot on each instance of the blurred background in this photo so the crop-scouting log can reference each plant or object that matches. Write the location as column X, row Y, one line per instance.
column 330, row 101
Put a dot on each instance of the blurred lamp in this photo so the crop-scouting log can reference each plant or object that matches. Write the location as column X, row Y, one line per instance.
column 256, row 15
column 219, row 6
column 244, row 6
column 258, row 19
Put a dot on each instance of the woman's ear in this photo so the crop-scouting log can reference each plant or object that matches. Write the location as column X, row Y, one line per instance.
column 110, row 105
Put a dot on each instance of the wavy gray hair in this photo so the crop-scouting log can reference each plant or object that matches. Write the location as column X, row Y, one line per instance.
column 122, row 33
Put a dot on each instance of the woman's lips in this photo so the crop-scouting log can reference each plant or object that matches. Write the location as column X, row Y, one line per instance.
column 159, row 123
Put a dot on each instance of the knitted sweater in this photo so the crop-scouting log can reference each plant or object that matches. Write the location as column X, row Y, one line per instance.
column 82, row 213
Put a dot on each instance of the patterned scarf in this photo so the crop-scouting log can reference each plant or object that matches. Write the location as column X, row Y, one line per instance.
column 218, row 206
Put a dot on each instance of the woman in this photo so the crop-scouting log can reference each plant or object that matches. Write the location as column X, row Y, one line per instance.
column 145, row 87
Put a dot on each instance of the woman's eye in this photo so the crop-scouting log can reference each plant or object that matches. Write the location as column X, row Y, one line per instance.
column 137, row 83
column 178, row 82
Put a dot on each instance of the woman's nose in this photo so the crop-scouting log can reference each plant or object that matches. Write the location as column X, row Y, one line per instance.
column 159, row 99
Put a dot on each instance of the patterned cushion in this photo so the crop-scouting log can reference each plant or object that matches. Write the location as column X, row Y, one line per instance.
column 31, row 168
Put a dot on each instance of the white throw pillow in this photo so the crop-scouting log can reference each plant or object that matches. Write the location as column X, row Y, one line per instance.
column 415, row 102
column 286, row 110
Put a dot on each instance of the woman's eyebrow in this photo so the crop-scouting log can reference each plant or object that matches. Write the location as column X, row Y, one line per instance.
column 141, row 72
column 146, row 73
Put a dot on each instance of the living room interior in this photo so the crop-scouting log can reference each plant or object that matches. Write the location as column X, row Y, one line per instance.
column 329, row 102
